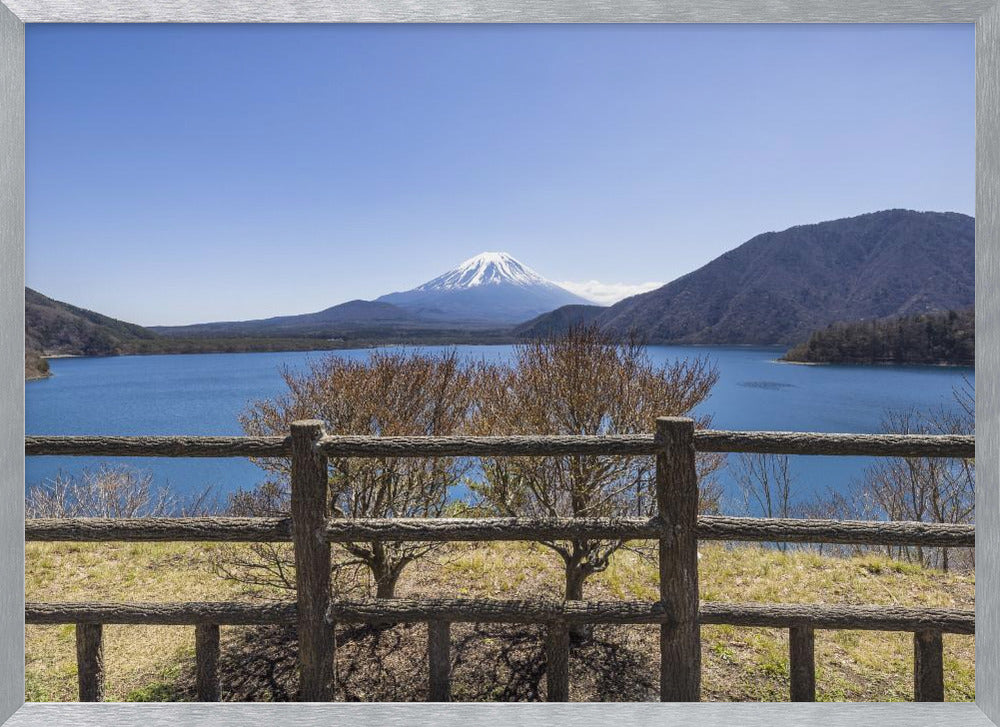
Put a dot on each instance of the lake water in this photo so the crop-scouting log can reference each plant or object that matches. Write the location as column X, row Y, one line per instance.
column 204, row 394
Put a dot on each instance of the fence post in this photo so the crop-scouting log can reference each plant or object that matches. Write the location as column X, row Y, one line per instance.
column 206, row 654
column 439, row 661
column 90, row 662
column 557, row 662
column 802, row 663
column 310, row 512
column 928, row 666
column 677, row 504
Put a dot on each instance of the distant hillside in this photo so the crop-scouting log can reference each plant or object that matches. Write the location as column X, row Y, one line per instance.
column 559, row 320
column 946, row 337
column 780, row 286
column 350, row 316
column 52, row 327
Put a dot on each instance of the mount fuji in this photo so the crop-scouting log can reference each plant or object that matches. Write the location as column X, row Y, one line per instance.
column 490, row 287
column 489, row 292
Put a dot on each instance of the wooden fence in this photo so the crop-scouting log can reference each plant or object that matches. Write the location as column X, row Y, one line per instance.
column 677, row 528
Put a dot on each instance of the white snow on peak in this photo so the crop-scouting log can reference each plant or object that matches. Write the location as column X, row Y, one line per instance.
column 487, row 268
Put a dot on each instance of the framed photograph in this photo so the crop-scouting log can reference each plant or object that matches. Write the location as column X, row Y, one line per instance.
column 528, row 362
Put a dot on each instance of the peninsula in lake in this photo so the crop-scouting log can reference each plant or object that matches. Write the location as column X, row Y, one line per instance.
column 938, row 338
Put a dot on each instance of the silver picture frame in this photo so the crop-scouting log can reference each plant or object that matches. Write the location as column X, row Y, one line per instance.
column 14, row 14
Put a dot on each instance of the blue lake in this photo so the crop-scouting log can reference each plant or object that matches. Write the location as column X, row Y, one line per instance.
column 204, row 394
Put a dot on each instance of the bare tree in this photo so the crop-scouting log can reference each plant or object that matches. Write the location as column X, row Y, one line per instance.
column 965, row 398
column 111, row 492
column 583, row 383
column 765, row 482
column 389, row 394
column 926, row 489
column 834, row 504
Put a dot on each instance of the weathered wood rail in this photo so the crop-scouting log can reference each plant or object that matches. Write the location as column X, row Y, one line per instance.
column 488, row 610
column 676, row 528
column 709, row 527
column 809, row 443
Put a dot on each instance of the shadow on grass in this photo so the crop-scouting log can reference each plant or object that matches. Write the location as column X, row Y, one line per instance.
column 490, row 662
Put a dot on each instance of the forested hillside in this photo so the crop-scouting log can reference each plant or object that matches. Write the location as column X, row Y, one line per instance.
column 53, row 327
column 947, row 337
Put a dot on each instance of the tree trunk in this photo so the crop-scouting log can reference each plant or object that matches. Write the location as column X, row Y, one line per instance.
column 574, row 583
column 385, row 586
column 575, row 577
column 386, row 575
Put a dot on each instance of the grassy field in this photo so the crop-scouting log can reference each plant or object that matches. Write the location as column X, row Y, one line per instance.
column 494, row 662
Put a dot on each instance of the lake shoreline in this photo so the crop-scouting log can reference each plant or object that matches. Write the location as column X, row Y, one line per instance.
column 495, row 344
column 204, row 394
column 389, row 344
column 942, row 364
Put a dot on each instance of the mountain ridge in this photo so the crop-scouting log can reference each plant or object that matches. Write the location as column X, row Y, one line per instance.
column 777, row 287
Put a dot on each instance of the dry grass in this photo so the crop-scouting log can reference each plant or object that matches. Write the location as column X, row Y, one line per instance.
column 495, row 662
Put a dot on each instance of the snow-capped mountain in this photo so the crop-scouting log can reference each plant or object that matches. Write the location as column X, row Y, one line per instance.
column 491, row 286
column 486, row 268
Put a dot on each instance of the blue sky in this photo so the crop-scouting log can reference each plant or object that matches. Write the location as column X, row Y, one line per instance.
column 180, row 174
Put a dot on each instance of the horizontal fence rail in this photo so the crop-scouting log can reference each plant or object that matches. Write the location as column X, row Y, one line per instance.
column 394, row 610
column 225, row 613
column 165, row 446
column 510, row 446
column 490, row 529
column 418, row 610
column 160, row 529
column 850, row 445
column 676, row 529
column 864, row 618
column 340, row 530
column 488, row 610
column 706, row 440
column 842, row 532
column 709, row 527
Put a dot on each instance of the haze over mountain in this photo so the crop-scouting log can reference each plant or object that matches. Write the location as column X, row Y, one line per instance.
column 780, row 286
column 491, row 286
